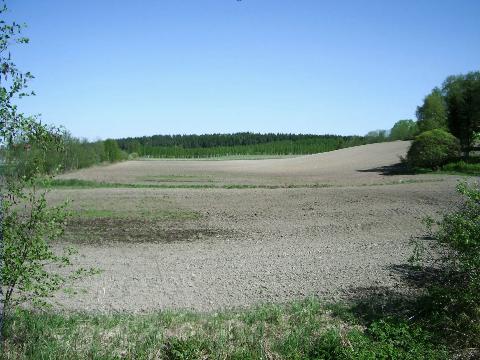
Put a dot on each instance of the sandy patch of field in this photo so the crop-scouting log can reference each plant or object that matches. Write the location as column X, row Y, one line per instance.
column 213, row 248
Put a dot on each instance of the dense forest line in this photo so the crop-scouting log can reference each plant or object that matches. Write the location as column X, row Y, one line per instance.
column 216, row 140
column 211, row 145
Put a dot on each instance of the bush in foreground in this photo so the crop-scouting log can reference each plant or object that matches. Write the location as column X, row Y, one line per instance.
column 451, row 306
column 459, row 293
column 432, row 149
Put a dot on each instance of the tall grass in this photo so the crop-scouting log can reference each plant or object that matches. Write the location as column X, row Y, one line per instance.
column 298, row 330
column 468, row 168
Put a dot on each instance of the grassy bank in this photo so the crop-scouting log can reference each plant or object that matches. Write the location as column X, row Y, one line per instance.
column 471, row 167
column 461, row 167
column 298, row 330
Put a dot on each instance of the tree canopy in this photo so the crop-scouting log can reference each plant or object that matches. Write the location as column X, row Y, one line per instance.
column 404, row 130
column 432, row 114
column 462, row 97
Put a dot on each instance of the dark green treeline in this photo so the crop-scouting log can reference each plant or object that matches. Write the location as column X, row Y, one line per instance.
column 213, row 145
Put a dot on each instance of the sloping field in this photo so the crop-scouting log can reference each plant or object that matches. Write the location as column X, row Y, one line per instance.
column 351, row 166
column 210, row 248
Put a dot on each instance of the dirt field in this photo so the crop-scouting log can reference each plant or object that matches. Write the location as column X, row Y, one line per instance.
column 352, row 166
column 207, row 249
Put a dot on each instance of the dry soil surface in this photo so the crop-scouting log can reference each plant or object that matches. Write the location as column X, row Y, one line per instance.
column 208, row 249
column 352, row 166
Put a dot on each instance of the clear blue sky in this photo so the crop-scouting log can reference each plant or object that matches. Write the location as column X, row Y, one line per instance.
column 114, row 68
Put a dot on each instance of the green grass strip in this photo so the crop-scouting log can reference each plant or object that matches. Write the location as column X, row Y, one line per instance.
column 87, row 184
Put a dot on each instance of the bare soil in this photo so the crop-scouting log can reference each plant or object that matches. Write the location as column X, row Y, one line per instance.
column 351, row 166
column 247, row 246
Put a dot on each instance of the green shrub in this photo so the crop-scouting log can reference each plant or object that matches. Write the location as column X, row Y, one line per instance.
column 459, row 232
column 452, row 304
column 383, row 339
column 432, row 149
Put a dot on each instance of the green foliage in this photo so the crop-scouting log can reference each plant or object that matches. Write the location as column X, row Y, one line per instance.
column 433, row 113
column 186, row 349
column 216, row 145
column 456, row 107
column 112, row 151
column 376, row 136
column 462, row 96
column 27, row 224
column 404, row 130
column 463, row 167
column 298, row 330
column 433, row 149
column 28, row 227
column 452, row 304
column 84, row 184
column 77, row 154
column 73, row 154
column 460, row 231
column 388, row 338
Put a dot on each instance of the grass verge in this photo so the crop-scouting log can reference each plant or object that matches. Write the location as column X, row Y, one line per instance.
column 461, row 167
column 298, row 330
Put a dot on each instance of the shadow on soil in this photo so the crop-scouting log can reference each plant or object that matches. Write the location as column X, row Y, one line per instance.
column 395, row 169
column 378, row 302
column 417, row 307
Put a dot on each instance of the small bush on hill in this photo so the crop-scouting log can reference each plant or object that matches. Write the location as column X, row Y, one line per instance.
column 432, row 149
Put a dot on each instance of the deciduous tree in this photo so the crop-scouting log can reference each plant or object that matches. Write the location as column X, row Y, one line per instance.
column 27, row 223
column 433, row 112
column 404, row 130
column 462, row 96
